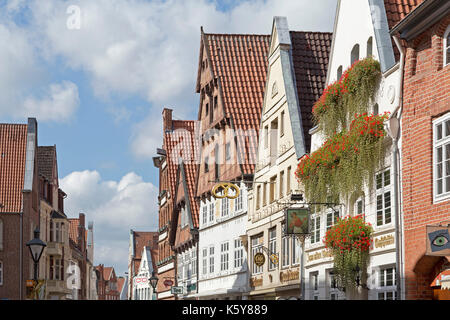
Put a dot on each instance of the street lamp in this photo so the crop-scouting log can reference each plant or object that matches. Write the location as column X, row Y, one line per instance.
column 153, row 282
column 36, row 247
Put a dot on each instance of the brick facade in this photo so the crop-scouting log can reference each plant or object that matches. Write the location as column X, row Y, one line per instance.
column 426, row 97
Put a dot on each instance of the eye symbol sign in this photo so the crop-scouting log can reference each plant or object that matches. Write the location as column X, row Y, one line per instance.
column 226, row 188
column 439, row 240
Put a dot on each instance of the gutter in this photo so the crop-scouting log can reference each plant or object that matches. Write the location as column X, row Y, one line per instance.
column 394, row 123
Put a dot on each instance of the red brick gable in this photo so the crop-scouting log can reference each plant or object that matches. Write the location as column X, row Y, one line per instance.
column 13, row 141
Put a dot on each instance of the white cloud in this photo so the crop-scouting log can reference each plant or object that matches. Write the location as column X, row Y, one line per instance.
column 115, row 207
column 59, row 104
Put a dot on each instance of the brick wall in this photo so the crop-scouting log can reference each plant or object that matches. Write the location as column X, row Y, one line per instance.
column 426, row 97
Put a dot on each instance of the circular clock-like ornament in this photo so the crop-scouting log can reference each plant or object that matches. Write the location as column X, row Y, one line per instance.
column 391, row 94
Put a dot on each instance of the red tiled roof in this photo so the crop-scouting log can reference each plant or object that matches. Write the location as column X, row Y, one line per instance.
column 240, row 62
column 73, row 229
column 46, row 155
column 143, row 239
column 13, row 141
column 396, row 10
column 182, row 143
column 310, row 54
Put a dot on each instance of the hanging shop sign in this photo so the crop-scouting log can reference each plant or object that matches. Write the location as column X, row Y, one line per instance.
column 176, row 290
column 168, row 282
column 225, row 190
column 297, row 221
column 259, row 259
column 274, row 258
column 438, row 240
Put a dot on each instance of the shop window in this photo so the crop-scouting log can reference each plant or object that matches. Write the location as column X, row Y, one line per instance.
column 441, row 167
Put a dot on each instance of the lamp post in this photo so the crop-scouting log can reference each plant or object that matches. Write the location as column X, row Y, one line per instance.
column 153, row 282
column 36, row 247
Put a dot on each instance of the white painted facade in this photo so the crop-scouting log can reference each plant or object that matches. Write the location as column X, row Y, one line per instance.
column 142, row 290
column 222, row 256
column 187, row 273
column 354, row 26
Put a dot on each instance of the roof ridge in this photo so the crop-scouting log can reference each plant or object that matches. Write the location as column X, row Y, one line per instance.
column 237, row 34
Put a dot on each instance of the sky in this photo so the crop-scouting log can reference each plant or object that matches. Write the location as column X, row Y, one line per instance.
column 97, row 74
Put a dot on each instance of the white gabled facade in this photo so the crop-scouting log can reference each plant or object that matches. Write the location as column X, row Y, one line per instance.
column 222, row 258
column 142, row 290
column 360, row 24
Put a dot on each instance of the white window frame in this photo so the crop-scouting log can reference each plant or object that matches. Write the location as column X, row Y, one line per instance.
column 256, row 247
column 194, row 262
column 225, row 207
column 334, row 214
column 446, row 46
column 315, row 229
column 443, row 143
column 359, row 201
column 314, row 285
column 205, row 261
column 382, row 288
column 272, row 246
column 296, row 250
column 211, row 259
column 285, row 251
column 238, row 254
column 211, row 212
column 205, row 214
column 238, row 203
column 382, row 192
column 224, row 256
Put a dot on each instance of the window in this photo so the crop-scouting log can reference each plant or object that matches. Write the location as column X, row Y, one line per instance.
column 211, row 259
column 272, row 245
column 206, row 164
column 238, row 253
column 376, row 109
column 273, row 141
column 180, row 267
column 1, row 273
column 264, row 194
column 217, row 161
column 207, row 108
column 266, row 137
column 288, row 180
column 1, row 235
column 215, row 102
column 272, row 188
column 315, row 230
column 258, row 197
column 194, row 261
column 332, row 218
column 296, row 250
column 281, row 184
column 56, row 269
column 227, row 151
column 211, row 212
column 225, row 207
column 359, row 207
column 387, row 286
column 447, row 46
column 285, row 253
column 333, row 291
column 369, row 47
column 256, row 247
column 204, row 214
column 441, row 147
column 339, row 73
column 282, row 124
column 383, row 181
column 314, row 285
column 224, row 256
column 354, row 54
column 188, row 266
column 238, row 202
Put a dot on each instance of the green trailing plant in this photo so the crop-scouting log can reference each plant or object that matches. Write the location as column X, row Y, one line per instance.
column 346, row 161
column 349, row 241
column 347, row 96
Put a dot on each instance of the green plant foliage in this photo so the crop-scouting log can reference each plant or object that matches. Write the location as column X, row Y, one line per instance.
column 349, row 241
column 347, row 96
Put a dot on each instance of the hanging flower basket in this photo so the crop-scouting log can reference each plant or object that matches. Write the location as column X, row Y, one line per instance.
column 349, row 241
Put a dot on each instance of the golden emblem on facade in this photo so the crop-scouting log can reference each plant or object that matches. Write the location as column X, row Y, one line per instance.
column 225, row 188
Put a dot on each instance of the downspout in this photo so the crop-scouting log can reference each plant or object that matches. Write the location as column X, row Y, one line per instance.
column 394, row 130
column 21, row 256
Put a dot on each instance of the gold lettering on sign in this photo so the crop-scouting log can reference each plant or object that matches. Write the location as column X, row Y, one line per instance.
column 319, row 255
column 384, row 241
column 289, row 275
column 256, row 282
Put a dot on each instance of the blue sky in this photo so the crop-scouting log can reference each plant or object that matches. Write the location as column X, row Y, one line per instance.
column 98, row 91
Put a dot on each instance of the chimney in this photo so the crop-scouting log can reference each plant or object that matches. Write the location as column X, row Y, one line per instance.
column 167, row 119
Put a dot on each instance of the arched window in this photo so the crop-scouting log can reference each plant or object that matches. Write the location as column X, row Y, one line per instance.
column 369, row 47
column 339, row 73
column 355, row 54
column 447, row 46
column 376, row 109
